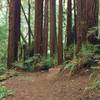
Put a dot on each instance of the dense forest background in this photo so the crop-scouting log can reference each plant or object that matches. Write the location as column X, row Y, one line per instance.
column 38, row 35
column 4, row 24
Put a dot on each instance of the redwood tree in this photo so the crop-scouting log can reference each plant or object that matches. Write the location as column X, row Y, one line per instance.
column 69, row 22
column 60, row 41
column 92, row 8
column 87, row 17
column 38, row 26
column 45, row 32
column 53, row 35
column 81, row 23
column 14, row 31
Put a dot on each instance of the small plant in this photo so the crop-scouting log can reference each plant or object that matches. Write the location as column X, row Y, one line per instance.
column 87, row 50
column 5, row 92
column 94, row 81
column 71, row 66
column 96, row 84
column 69, row 53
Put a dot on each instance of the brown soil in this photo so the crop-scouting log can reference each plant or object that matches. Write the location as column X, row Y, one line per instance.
column 49, row 86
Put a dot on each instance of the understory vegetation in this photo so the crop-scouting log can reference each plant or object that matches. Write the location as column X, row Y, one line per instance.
column 4, row 92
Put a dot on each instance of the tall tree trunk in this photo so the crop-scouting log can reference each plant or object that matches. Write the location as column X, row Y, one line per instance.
column 45, row 33
column 38, row 26
column 78, row 27
column 60, row 40
column 69, row 22
column 74, row 27
column 29, row 14
column 87, row 17
column 81, row 24
column 14, row 31
column 92, row 8
column 53, row 35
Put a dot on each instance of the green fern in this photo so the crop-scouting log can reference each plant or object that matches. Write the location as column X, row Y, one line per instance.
column 5, row 92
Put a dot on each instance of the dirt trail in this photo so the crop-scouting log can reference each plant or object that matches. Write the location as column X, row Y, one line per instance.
column 47, row 86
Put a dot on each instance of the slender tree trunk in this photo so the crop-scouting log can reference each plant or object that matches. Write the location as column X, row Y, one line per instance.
column 29, row 14
column 14, row 31
column 78, row 27
column 60, row 40
column 38, row 26
column 45, row 33
column 53, row 35
column 74, row 28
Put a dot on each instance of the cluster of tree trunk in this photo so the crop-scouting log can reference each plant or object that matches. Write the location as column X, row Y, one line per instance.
column 85, row 17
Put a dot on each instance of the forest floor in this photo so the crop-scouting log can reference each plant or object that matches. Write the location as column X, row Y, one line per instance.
column 50, row 85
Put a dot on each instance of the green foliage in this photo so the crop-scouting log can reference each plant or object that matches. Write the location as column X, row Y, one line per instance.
column 36, row 61
column 3, row 55
column 71, row 65
column 47, row 61
column 3, row 50
column 96, row 84
column 3, row 37
column 97, row 49
column 69, row 52
column 94, row 81
column 88, row 50
column 4, row 92
column 2, row 70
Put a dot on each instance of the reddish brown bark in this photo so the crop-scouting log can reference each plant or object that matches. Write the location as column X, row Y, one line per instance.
column 14, row 31
column 81, row 23
column 69, row 22
column 53, row 35
column 45, row 33
column 60, row 40
column 38, row 26
column 92, row 8
column 87, row 17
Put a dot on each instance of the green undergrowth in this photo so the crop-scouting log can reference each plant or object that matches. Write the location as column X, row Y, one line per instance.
column 83, row 59
column 89, row 50
column 94, row 82
column 36, row 62
column 3, row 56
column 4, row 92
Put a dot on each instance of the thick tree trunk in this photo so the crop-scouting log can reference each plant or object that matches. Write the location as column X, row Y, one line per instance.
column 81, row 23
column 45, row 33
column 87, row 17
column 92, row 8
column 53, row 35
column 60, row 40
column 14, row 31
column 38, row 26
